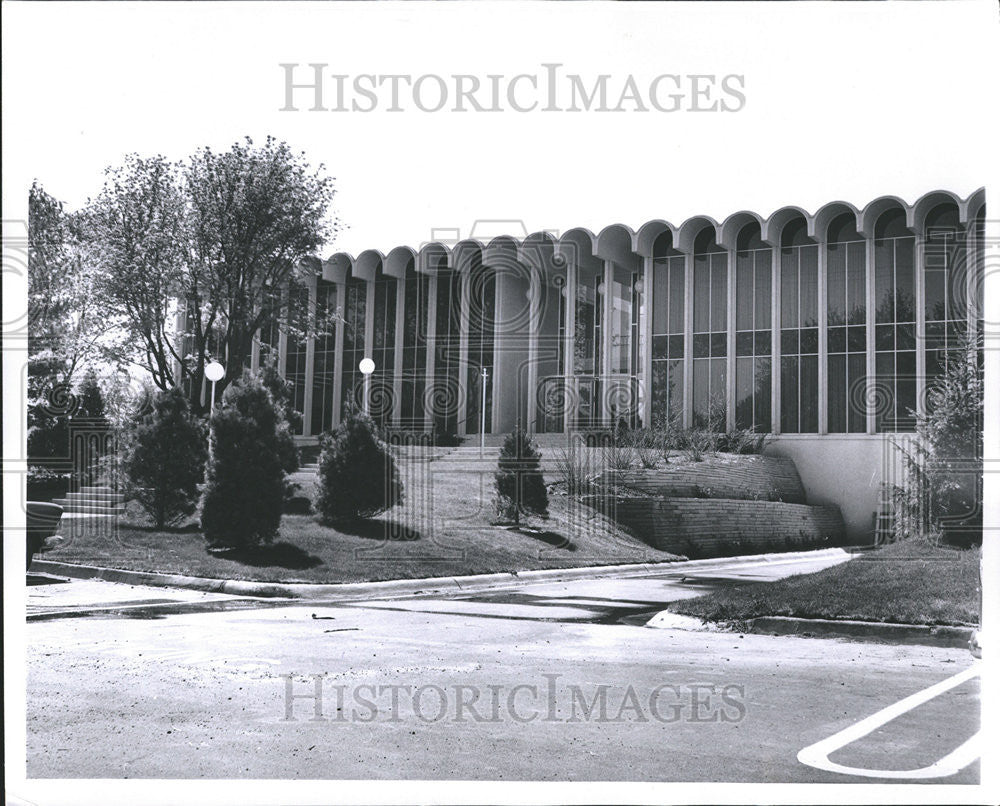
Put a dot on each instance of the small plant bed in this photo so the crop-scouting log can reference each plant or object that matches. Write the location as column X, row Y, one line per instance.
column 910, row 582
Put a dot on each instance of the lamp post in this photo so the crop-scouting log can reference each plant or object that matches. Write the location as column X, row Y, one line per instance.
column 482, row 415
column 367, row 367
column 214, row 372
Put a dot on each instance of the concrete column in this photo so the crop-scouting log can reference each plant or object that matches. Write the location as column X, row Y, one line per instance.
column 920, row 297
column 465, row 301
column 776, row 339
column 688, row 417
column 606, row 333
column 646, row 323
column 283, row 334
column 823, row 384
column 534, row 324
column 870, row 329
column 569, row 344
column 338, row 358
column 311, row 283
column 431, row 339
column 731, row 339
column 972, row 277
column 397, row 353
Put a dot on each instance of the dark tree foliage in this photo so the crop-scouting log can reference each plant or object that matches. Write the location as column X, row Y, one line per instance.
column 358, row 476
column 244, row 483
column 944, row 498
column 519, row 483
column 291, row 420
column 165, row 463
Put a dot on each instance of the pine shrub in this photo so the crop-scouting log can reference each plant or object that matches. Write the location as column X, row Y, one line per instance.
column 519, row 483
column 358, row 476
column 165, row 463
column 245, row 483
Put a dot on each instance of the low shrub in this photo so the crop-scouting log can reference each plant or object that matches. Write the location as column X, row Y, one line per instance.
column 520, row 487
column 358, row 475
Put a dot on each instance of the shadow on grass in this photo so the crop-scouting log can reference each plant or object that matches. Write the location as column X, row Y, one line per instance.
column 187, row 528
column 280, row 555
column 376, row 530
column 553, row 539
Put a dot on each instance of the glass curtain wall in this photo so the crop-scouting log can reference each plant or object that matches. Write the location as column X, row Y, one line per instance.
column 846, row 406
column 895, row 324
column 709, row 342
column 799, row 331
column 753, row 330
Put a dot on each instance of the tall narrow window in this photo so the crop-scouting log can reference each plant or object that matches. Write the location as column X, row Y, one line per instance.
column 845, row 328
column 587, row 343
column 799, row 331
column 414, row 349
column 895, row 324
column 945, row 287
column 446, row 352
column 482, row 319
column 668, row 339
column 709, row 345
column 324, row 355
column 753, row 331
column 355, row 308
column 383, row 351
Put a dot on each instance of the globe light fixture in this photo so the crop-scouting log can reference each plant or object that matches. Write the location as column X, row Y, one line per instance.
column 214, row 371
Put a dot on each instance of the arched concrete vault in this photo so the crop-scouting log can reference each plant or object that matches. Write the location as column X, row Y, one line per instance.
column 876, row 208
column 829, row 212
column 338, row 267
column 775, row 224
column 368, row 264
column 433, row 258
column 650, row 233
column 691, row 228
column 734, row 224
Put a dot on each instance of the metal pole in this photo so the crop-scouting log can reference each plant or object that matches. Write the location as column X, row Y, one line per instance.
column 482, row 416
column 367, row 378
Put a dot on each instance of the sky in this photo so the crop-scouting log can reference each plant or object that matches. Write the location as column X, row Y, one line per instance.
column 842, row 101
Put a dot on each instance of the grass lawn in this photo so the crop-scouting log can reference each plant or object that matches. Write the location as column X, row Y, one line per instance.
column 442, row 528
column 906, row 583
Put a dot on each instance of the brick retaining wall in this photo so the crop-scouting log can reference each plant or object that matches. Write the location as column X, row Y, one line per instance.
column 699, row 527
column 754, row 477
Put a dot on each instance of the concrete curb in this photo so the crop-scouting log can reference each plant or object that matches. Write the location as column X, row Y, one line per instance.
column 415, row 587
column 939, row 636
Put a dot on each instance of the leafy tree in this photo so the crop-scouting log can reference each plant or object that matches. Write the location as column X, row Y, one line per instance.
column 165, row 463
column 519, row 483
column 220, row 233
column 244, row 482
column 944, row 495
column 358, row 476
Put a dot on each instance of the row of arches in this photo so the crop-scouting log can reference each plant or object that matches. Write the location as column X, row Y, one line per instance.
column 886, row 216
column 788, row 323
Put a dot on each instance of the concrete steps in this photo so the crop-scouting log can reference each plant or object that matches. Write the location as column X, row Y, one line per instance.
column 93, row 501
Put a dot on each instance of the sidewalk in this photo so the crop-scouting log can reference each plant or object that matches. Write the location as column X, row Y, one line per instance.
column 417, row 587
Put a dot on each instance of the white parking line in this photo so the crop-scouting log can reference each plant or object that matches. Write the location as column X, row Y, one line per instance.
column 817, row 755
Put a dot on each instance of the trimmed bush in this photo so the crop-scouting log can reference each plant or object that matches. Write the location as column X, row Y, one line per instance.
column 245, row 483
column 519, row 483
column 290, row 419
column 358, row 476
column 165, row 463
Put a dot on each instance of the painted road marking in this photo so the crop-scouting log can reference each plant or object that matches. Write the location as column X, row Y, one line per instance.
column 817, row 755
